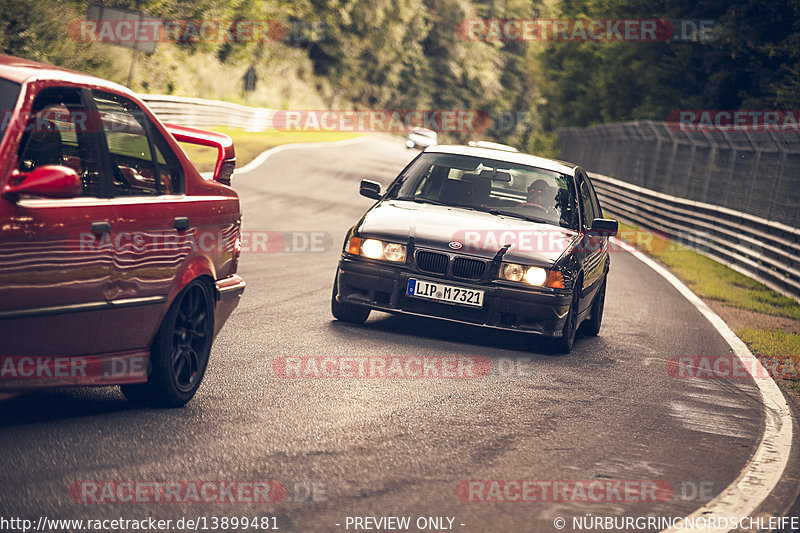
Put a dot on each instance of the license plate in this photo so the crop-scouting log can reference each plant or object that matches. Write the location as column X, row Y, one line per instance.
column 440, row 292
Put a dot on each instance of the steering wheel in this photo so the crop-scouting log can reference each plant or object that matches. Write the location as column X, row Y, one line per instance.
column 537, row 206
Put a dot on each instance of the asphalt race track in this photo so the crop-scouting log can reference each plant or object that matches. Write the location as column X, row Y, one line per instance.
column 395, row 447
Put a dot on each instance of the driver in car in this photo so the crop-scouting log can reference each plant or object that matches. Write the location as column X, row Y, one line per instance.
column 541, row 195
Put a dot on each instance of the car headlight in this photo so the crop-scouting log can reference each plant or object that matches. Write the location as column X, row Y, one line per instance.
column 512, row 272
column 377, row 249
column 531, row 275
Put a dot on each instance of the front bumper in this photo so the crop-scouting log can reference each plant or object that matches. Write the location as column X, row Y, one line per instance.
column 384, row 288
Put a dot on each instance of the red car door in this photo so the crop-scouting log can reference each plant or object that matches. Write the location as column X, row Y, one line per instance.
column 154, row 232
column 53, row 280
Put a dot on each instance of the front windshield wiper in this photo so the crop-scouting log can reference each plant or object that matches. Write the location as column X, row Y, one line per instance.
column 419, row 200
column 516, row 215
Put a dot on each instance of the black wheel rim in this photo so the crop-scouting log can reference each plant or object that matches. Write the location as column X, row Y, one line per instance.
column 190, row 337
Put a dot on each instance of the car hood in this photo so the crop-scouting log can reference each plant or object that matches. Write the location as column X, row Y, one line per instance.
column 478, row 234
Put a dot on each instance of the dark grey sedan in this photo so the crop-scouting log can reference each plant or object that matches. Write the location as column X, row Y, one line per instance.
column 473, row 235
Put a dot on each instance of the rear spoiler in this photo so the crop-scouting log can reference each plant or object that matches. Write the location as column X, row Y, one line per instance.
column 226, row 157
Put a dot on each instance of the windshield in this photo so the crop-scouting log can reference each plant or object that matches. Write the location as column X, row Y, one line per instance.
column 497, row 187
column 9, row 93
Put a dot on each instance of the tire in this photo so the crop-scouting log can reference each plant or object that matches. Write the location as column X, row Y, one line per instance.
column 180, row 351
column 591, row 327
column 564, row 343
column 355, row 314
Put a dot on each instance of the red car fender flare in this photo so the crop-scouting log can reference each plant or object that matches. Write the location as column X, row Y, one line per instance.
column 194, row 268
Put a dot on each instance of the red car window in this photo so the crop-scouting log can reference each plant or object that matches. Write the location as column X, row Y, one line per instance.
column 142, row 162
column 56, row 134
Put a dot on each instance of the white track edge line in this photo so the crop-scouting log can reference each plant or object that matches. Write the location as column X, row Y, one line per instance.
column 263, row 156
column 765, row 468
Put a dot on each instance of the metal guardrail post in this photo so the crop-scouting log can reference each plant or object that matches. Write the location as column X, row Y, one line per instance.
column 778, row 174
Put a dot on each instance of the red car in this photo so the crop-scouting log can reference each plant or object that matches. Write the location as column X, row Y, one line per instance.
column 117, row 258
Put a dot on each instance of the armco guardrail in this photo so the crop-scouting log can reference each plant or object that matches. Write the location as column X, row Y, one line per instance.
column 201, row 113
column 765, row 250
column 753, row 172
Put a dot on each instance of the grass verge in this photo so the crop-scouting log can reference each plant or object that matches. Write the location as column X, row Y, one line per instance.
column 768, row 322
column 249, row 144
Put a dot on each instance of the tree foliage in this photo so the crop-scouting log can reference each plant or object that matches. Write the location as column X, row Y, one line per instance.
column 750, row 62
column 408, row 54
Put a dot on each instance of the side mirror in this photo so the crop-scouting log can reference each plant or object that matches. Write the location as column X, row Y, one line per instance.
column 370, row 189
column 46, row 181
column 605, row 227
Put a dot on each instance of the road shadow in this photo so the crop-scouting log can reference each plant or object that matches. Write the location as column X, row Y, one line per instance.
column 442, row 330
column 60, row 404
